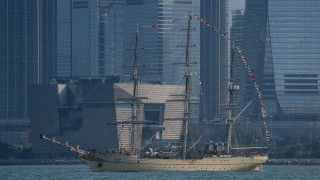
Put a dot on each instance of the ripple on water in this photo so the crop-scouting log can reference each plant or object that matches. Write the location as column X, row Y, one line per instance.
column 48, row 172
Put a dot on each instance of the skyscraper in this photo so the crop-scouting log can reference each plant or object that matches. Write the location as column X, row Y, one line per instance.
column 77, row 38
column 111, row 31
column 295, row 53
column 253, row 48
column 18, row 56
column 174, row 36
column 21, row 64
column 139, row 13
column 281, row 41
column 239, row 72
column 47, row 24
column 213, row 57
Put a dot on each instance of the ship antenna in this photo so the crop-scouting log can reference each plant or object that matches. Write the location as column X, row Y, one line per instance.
column 187, row 92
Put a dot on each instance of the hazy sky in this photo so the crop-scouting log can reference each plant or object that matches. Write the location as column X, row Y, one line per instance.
column 235, row 4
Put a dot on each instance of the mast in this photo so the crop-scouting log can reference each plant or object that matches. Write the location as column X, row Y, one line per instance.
column 187, row 92
column 135, row 92
column 230, row 120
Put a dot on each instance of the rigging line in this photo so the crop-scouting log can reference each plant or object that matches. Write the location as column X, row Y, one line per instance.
column 194, row 144
column 167, row 22
column 264, row 115
column 147, row 142
column 55, row 125
column 112, row 134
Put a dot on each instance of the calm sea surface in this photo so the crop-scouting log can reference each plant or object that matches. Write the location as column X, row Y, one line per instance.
column 83, row 172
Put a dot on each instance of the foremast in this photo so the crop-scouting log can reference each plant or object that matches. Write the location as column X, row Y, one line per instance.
column 187, row 92
column 135, row 93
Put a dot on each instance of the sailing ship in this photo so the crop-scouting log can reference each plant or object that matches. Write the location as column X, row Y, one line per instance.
column 135, row 160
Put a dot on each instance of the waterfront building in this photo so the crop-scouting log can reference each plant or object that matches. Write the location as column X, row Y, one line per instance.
column 280, row 44
column 295, row 51
column 84, row 110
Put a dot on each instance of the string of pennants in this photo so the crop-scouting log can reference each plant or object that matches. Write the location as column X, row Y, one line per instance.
column 167, row 22
column 264, row 115
column 119, row 140
column 65, row 145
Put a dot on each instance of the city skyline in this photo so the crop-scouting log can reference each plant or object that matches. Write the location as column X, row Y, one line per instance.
column 80, row 38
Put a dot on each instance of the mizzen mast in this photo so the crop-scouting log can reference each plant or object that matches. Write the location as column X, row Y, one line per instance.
column 232, row 87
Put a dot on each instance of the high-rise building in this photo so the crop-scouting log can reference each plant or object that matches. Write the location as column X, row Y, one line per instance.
column 77, row 38
column 213, row 58
column 27, row 56
column 18, row 56
column 283, row 47
column 295, row 56
column 111, row 31
column 253, row 48
column 19, row 59
column 239, row 72
column 174, row 36
column 138, row 13
column 47, row 24
column 280, row 44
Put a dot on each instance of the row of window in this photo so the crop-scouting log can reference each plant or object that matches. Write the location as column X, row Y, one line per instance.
column 301, row 81
column 301, row 87
column 301, row 92
column 300, row 75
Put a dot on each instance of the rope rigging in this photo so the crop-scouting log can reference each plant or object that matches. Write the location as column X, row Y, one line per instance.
column 264, row 115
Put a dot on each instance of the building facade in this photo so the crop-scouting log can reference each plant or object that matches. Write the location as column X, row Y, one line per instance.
column 83, row 111
column 111, row 30
column 213, row 58
column 280, row 45
column 19, row 67
column 239, row 72
column 253, row 48
column 77, row 38
column 295, row 52
column 19, row 56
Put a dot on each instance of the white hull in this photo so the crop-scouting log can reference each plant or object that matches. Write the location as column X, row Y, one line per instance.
column 103, row 162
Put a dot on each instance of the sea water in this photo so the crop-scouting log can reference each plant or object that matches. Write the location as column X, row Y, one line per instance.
column 269, row 172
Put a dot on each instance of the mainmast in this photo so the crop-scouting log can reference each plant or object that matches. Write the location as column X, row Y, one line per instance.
column 187, row 92
column 135, row 91
column 230, row 120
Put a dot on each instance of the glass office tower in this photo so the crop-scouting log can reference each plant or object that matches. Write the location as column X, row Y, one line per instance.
column 281, row 40
column 18, row 56
column 295, row 37
column 111, row 29
column 22, row 63
column 240, row 73
column 174, row 35
column 253, row 48
column 214, row 58
column 77, row 38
